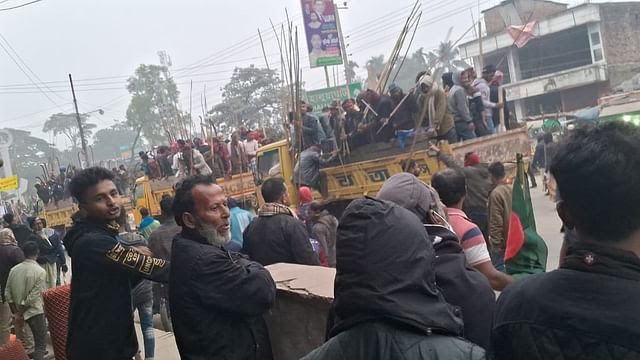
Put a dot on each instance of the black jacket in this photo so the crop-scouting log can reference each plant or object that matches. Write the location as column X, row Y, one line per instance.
column 585, row 310
column 217, row 300
column 387, row 305
column 48, row 253
column 10, row 256
column 278, row 238
column 100, row 317
column 21, row 232
column 463, row 286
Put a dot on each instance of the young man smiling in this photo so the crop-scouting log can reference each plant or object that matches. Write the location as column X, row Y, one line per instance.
column 104, row 270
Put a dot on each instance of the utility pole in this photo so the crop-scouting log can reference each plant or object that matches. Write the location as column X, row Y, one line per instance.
column 343, row 50
column 82, row 140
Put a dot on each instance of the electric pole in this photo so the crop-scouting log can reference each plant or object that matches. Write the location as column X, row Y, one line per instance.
column 82, row 140
column 343, row 50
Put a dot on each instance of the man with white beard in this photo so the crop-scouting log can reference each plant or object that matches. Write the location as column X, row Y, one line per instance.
column 217, row 298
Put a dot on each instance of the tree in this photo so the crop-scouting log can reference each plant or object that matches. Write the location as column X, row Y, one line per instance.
column 153, row 106
column 67, row 125
column 445, row 59
column 351, row 71
column 27, row 153
column 250, row 98
column 109, row 143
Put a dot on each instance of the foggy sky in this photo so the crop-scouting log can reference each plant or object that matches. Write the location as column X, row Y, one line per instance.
column 94, row 39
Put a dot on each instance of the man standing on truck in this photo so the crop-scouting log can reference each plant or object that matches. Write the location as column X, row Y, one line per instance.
column 103, row 270
column 459, row 106
column 307, row 171
column 277, row 235
column 433, row 104
column 482, row 84
column 406, row 109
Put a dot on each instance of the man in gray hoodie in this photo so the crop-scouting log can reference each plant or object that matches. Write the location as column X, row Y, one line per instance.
column 459, row 106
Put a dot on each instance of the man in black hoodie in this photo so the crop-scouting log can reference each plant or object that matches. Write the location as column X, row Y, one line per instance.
column 461, row 284
column 387, row 304
column 104, row 271
column 588, row 308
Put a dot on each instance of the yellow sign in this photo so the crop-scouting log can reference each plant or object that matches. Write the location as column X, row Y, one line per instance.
column 9, row 183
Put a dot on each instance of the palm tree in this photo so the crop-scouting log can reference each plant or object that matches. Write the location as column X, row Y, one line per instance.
column 445, row 59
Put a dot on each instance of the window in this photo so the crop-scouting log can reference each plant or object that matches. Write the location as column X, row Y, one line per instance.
column 138, row 192
column 269, row 164
column 597, row 55
column 595, row 38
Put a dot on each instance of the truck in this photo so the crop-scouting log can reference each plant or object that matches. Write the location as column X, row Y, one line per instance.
column 365, row 169
column 148, row 193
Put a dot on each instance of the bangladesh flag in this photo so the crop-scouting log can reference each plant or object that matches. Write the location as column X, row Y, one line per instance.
column 526, row 251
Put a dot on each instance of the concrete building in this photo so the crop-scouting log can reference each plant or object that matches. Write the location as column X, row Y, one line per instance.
column 577, row 55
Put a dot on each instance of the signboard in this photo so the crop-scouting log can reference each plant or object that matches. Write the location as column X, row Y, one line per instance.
column 323, row 97
column 323, row 42
column 9, row 183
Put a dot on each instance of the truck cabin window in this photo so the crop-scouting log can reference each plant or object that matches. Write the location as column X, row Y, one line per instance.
column 269, row 164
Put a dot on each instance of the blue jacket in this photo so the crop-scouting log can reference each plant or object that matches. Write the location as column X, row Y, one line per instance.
column 240, row 219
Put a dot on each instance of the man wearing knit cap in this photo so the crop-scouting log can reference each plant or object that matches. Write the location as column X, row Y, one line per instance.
column 461, row 284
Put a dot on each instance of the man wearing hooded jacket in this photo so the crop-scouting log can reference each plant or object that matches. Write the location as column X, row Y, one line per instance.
column 461, row 284
column 386, row 304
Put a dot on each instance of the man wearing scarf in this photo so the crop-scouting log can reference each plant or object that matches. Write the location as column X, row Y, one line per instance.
column 587, row 309
column 277, row 235
column 433, row 107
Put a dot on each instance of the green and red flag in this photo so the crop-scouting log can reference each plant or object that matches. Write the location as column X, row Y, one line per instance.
column 526, row 251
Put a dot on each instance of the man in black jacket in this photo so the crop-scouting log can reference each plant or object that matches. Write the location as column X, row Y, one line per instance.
column 276, row 235
column 588, row 308
column 20, row 231
column 460, row 283
column 104, row 270
column 387, row 304
column 217, row 298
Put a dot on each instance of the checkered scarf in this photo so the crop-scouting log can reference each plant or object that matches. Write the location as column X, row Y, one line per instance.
column 272, row 209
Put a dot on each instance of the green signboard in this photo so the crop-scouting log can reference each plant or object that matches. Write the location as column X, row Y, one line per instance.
column 323, row 97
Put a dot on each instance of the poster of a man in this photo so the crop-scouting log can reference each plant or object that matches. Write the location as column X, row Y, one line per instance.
column 322, row 32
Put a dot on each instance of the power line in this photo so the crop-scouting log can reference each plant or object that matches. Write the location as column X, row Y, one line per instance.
column 21, row 5
column 27, row 75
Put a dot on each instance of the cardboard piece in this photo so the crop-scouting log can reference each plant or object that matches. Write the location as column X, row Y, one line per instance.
column 298, row 321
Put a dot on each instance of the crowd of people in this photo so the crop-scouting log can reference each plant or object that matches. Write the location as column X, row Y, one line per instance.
column 416, row 266
column 219, row 157
column 464, row 107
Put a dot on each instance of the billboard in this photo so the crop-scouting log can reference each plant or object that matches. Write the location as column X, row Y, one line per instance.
column 320, row 25
column 9, row 183
column 323, row 97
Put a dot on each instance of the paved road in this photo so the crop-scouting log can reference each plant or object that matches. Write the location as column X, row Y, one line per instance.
column 548, row 224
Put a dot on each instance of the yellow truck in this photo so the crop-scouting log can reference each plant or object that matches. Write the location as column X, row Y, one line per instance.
column 363, row 172
column 58, row 216
column 148, row 193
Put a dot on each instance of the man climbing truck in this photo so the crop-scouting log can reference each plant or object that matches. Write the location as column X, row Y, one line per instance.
column 366, row 168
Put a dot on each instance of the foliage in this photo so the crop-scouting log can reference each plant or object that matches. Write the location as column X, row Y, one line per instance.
column 436, row 63
column 351, row 71
column 248, row 99
column 153, row 103
column 67, row 125
column 27, row 153
column 109, row 143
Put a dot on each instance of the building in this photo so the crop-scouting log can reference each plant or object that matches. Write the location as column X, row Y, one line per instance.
column 577, row 54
